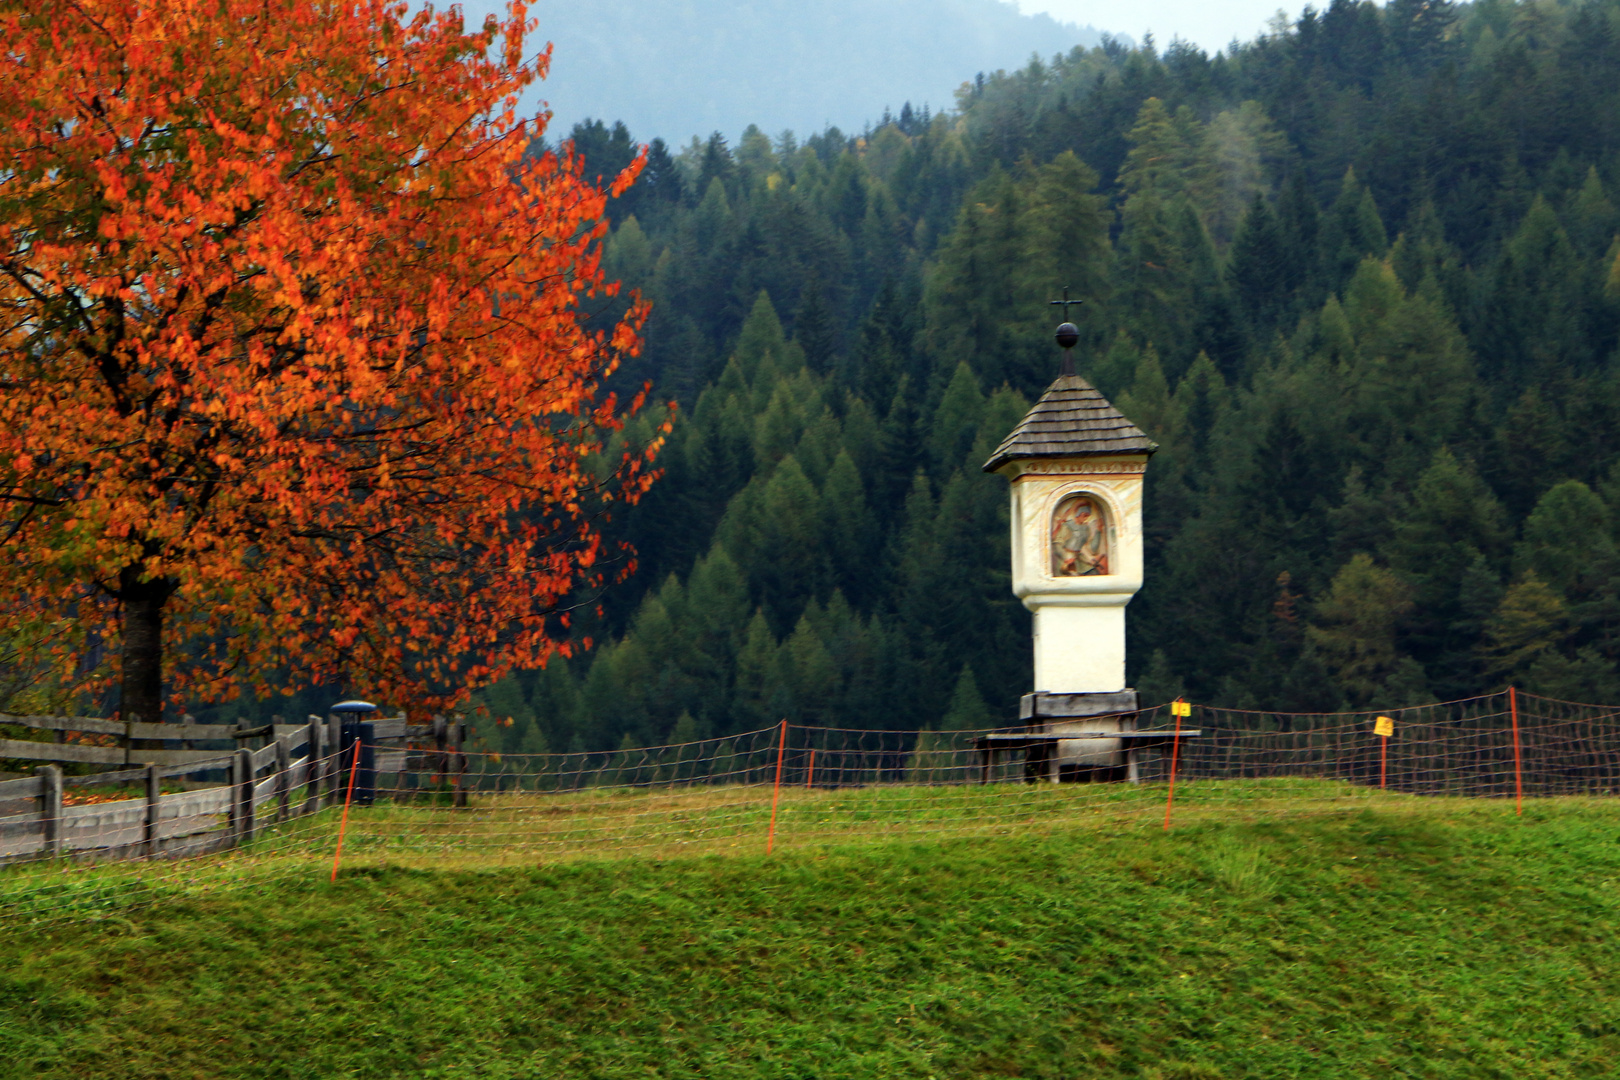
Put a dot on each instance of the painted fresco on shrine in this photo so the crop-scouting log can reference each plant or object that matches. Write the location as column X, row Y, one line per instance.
column 1081, row 537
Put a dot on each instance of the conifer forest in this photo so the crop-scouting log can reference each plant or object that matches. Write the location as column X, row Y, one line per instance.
column 1359, row 279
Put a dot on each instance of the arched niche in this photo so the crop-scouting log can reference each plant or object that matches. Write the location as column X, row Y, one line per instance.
column 1082, row 540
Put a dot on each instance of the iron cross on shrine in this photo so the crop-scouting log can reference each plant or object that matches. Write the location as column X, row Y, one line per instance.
column 1066, row 303
column 1068, row 334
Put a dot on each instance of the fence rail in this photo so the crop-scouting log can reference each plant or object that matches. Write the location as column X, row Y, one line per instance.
column 240, row 792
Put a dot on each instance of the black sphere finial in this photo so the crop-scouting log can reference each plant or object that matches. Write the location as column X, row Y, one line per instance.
column 1068, row 334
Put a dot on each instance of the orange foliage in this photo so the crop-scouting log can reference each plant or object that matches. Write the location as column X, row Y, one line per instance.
column 290, row 321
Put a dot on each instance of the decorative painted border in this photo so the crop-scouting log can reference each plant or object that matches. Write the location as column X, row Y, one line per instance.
column 1047, row 505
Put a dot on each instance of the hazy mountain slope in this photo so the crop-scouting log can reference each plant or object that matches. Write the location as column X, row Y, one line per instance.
column 675, row 68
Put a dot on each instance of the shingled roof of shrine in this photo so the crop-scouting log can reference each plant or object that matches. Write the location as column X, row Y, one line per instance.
column 1071, row 419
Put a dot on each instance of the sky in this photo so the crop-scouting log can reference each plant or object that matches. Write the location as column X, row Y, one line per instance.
column 683, row 68
column 1209, row 25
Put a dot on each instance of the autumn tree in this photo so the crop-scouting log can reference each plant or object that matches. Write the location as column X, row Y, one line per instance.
column 297, row 370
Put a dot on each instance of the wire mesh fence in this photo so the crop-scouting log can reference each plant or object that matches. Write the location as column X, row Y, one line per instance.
column 788, row 786
column 1499, row 745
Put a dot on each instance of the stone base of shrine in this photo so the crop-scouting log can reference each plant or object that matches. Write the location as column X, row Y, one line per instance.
column 1077, row 738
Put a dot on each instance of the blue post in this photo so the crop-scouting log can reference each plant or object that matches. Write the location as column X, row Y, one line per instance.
column 355, row 725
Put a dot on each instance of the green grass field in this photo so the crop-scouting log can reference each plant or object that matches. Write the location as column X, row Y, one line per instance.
column 1281, row 931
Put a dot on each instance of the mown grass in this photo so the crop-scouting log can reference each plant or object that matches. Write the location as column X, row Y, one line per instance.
column 1388, row 937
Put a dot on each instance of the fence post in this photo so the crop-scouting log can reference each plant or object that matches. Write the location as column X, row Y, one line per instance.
column 1518, row 766
column 458, row 763
column 283, row 779
column 776, row 793
column 154, row 792
column 236, row 797
column 441, row 758
column 1178, row 709
column 50, row 807
column 343, row 822
column 244, row 795
column 315, row 754
column 334, row 775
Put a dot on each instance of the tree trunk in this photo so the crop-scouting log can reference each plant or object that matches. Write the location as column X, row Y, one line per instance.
column 142, row 629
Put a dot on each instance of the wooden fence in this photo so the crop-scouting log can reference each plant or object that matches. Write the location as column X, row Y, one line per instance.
column 294, row 773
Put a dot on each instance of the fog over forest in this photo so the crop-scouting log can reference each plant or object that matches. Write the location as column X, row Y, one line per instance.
column 678, row 68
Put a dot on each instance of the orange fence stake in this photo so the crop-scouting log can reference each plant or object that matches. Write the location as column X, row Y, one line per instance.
column 781, row 748
column 344, row 823
column 1383, row 727
column 1178, row 709
column 810, row 776
column 1518, row 768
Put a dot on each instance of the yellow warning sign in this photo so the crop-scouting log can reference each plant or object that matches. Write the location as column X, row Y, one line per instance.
column 1384, row 726
column 1180, row 708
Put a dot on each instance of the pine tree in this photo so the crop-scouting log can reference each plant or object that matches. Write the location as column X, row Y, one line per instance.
column 1528, row 626
column 1424, row 260
column 1299, row 221
column 761, row 335
column 756, row 664
column 1351, row 232
column 687, row 735
column 1531, row 443
column 1159, row 683
column 1567, row 540
column 778, row 428
column 1355, row 628
column 849, row 531
column 812, row 675
column 1166, row 159
column 813, row 329
column 1258, row 271
column 1065, row 232
column 882, row 355
column 972, row 298
column 533, row 742
column 1534, row 318
column 956, row 421
column 967, row 710
column 1443, row 542
column 792, row 564
column 900, row 451
column 718, row 166
column 1592, row 216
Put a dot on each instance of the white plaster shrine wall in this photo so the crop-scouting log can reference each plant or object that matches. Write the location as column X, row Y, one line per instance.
column 1079, row 620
